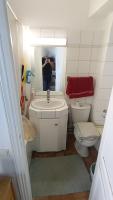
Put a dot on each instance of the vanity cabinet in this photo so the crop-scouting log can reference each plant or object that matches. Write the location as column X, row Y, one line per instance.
column 51, row 132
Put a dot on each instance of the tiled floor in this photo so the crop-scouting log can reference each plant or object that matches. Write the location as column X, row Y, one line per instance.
column 70, row 149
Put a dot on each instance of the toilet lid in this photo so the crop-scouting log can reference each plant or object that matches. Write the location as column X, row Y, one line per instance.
column 87, row 129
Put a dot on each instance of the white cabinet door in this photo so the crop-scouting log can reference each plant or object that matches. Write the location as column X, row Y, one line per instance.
column 49, row 131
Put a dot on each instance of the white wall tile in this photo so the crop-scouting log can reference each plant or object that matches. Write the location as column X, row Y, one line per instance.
column 98, row 38
column 51, row 33
column 95, row 67
column 111, row 35
column 83, row 67
column 96, row 54
column 89, row 100
column 102, row 54
column 98, row 118
column 60, row 34
column 85, row 54
column 106, row 82
column 86, row 37
column 108, row 68
column 109, row 54
column 73, row 37
column 72, row 53
column 103, row 94
column 69, row 74
column 82, row 75
column 72, row 67
column 101, row 105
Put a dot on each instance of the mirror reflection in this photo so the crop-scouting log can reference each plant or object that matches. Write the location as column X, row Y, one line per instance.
column 48, row 73
column 48, row 68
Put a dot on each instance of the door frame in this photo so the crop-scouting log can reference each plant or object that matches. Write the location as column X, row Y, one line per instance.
column 10, row 96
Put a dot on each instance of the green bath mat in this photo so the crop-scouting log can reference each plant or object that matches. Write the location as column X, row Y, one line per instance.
column 58, row 176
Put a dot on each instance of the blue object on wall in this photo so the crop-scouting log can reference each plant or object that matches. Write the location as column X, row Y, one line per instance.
column 28, row 76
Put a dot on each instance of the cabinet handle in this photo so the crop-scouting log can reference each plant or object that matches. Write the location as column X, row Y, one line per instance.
column 56, row 124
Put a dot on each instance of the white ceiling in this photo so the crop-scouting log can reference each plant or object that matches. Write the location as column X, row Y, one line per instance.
column 52, row 13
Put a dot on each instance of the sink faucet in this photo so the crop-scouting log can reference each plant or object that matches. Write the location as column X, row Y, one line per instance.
column 48, row 96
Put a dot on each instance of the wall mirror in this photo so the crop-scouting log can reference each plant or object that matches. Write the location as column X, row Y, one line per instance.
column 56, row 57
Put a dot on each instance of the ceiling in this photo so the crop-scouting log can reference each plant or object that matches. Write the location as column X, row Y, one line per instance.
column 71, row 14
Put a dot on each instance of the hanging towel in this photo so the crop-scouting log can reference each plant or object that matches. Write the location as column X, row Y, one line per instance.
column 80, row 87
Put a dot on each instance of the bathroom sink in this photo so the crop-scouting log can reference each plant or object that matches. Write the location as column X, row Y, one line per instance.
column 42, row 104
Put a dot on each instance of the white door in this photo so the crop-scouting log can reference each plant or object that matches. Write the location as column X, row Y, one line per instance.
column 11, row 118
column 104, row 169
column 101, row 189
column 99, row 195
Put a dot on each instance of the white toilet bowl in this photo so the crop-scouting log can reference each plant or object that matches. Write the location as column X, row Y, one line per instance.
column 86, row 136
column 85, row 132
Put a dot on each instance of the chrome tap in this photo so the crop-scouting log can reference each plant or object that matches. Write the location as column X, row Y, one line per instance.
column 48, row 96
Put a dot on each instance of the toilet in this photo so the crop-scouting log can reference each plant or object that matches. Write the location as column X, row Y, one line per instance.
column 85, row 132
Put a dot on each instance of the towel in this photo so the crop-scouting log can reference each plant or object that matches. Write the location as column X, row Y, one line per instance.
column 29, row 130
column 80, row 87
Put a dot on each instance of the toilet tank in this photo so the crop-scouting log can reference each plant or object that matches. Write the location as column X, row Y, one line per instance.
column 80, row 112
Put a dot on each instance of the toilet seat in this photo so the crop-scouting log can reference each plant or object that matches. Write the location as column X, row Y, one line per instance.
column 87, row 142
column 86, row 136
column 87, row 130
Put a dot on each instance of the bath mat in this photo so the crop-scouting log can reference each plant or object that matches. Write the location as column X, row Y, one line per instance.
column 58, row 176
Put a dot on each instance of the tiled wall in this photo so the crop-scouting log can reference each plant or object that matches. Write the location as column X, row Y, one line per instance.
column 104, row 83
column 84, row 53
column 84, row 49
column 89, row 53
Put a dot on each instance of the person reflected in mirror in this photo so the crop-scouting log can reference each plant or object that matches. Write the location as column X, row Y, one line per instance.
column 47, row 74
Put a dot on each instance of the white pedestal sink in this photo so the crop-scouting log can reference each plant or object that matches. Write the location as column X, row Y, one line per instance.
column 43, row 104
column 50, row 121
